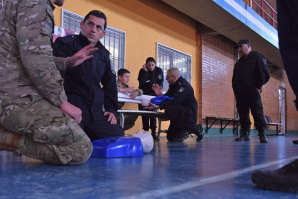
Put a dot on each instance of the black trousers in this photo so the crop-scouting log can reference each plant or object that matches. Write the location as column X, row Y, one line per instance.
column 146, row 120
column 288, row 39
column 101, row 129
column 174, row 131
column 246, row 102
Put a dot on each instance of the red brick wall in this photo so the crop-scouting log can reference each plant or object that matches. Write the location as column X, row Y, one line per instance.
column 217, row 98
column 218, row 58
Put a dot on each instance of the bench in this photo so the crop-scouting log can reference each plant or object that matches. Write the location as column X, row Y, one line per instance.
column 161, row 116
column 236, row 123
column 270, row 123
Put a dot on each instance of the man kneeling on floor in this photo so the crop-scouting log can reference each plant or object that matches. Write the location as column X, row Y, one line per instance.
column 182, row 110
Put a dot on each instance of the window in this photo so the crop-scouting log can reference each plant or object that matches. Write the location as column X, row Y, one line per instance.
column 168, row 58
column 71, row 21
column 114, row 40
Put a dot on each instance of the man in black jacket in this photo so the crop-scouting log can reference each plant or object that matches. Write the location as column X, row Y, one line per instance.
column 91, row 86
column 182, row 110
column 250, row 74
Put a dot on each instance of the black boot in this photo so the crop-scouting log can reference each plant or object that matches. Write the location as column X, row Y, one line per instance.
column 244, row 137
column 198, row 131
column 181, row 136
column 295, row 141
column 153, row 133
column 262, row 136
column 284, row 179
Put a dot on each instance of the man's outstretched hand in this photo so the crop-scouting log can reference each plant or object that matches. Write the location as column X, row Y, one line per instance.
column 82, row 55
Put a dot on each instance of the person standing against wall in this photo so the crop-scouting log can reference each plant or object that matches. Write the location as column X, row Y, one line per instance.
column 150, row 74
column 249, row 75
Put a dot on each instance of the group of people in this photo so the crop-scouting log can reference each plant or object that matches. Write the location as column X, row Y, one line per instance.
column 56, row 99
column 181, row 110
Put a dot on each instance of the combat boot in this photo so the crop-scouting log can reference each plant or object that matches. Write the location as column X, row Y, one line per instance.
column 244, row 137
column 198, row 131
column 9, row 141
column 183, row 135
column 262, row 136
column 284, row 179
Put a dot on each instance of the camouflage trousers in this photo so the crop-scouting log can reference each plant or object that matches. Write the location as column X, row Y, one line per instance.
column 48, row 134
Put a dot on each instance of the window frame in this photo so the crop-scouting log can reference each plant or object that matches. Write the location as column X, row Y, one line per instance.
column 174, row 54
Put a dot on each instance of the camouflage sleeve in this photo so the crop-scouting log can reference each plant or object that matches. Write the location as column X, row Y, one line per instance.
column 34, row 33
column 140, row 91
column 61, row 63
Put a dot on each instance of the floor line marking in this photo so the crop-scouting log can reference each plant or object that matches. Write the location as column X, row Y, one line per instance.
column 189, row 185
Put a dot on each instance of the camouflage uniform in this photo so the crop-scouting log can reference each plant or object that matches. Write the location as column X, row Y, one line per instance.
column 31, row 87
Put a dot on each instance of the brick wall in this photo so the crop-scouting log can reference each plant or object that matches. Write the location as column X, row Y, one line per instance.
column 218, row 58
column 217, row 98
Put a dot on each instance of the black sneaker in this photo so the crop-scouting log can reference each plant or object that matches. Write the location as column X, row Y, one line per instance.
column 263, row 138
column 198, row 131
column 284, row 179
column 243, row 138
column 181, row 137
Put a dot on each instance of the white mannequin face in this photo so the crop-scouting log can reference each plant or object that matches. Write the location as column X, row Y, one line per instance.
column 146, row 139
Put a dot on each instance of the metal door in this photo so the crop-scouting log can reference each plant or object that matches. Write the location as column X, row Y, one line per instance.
column 282, row 108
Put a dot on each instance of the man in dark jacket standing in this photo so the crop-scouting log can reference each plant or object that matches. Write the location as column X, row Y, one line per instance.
column 91, row 86
column 250, row 74
column 182, row 110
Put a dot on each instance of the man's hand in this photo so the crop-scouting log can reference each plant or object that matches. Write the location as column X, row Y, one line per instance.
column 145, row 67
column 111, row 117
column 133, row 94
column 151, row 107
column 82, row 55
column 157, row 89
column 72, row 110
column 130, row 89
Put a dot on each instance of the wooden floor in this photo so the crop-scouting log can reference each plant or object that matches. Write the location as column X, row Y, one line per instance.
column 216, row 167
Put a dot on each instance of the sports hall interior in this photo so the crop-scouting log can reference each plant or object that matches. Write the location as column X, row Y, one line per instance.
column 199, row 37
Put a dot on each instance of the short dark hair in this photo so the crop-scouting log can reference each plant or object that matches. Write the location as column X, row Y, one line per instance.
column 243, row 41
column 122, row 71
column 98, row 14
column 150, row 59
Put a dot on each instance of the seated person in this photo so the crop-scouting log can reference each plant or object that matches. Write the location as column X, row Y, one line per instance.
column 182, row 110
column 91, row 86
column 122, row 86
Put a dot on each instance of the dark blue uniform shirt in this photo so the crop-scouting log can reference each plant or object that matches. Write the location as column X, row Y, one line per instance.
column 91, row 86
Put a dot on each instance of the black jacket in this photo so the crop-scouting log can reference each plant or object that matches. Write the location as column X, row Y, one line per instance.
column 148, row 78
column 184, row 98
column 90, row 86
column 250, row 73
